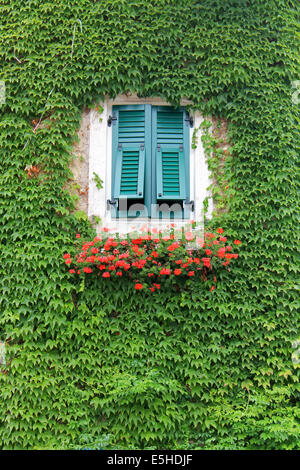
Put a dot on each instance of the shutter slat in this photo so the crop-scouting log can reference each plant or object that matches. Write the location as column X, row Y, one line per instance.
column 170, row 141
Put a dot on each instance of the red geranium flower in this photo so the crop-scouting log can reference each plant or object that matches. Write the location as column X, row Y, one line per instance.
column 189, row 236
column 87, row 270
column 221, row 252
column 206, row 262
column 165, row 271
column 173, row 247
column 139, row 252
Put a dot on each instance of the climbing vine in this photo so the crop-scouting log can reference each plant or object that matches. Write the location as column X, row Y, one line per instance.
column 219, row 160
column 192, row 368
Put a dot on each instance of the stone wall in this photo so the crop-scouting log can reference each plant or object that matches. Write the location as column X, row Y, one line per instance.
column 80, row 163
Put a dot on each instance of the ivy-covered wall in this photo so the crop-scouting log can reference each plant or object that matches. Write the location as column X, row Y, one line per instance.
column 193, row 368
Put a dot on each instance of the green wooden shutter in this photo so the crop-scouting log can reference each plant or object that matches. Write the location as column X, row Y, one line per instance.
column 129, row 153
column 171, row 155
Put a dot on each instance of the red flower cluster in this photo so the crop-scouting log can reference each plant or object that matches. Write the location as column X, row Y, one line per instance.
column 147, row 260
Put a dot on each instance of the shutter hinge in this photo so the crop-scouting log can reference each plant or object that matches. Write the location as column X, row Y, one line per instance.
column 142, row 146
column 112, row 202
column 189, row 121
column 180, row 148
column 111, row 120
column 158, row 148
column 120, row 146
column 190, row 203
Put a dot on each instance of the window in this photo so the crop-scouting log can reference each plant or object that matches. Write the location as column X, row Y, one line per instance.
column 150, row 162
column 156, row 174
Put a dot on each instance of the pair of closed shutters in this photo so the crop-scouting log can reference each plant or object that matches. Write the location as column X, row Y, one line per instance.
column 150, row 160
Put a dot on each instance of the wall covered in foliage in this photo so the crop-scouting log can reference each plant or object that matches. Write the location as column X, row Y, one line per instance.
column 193, row 368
